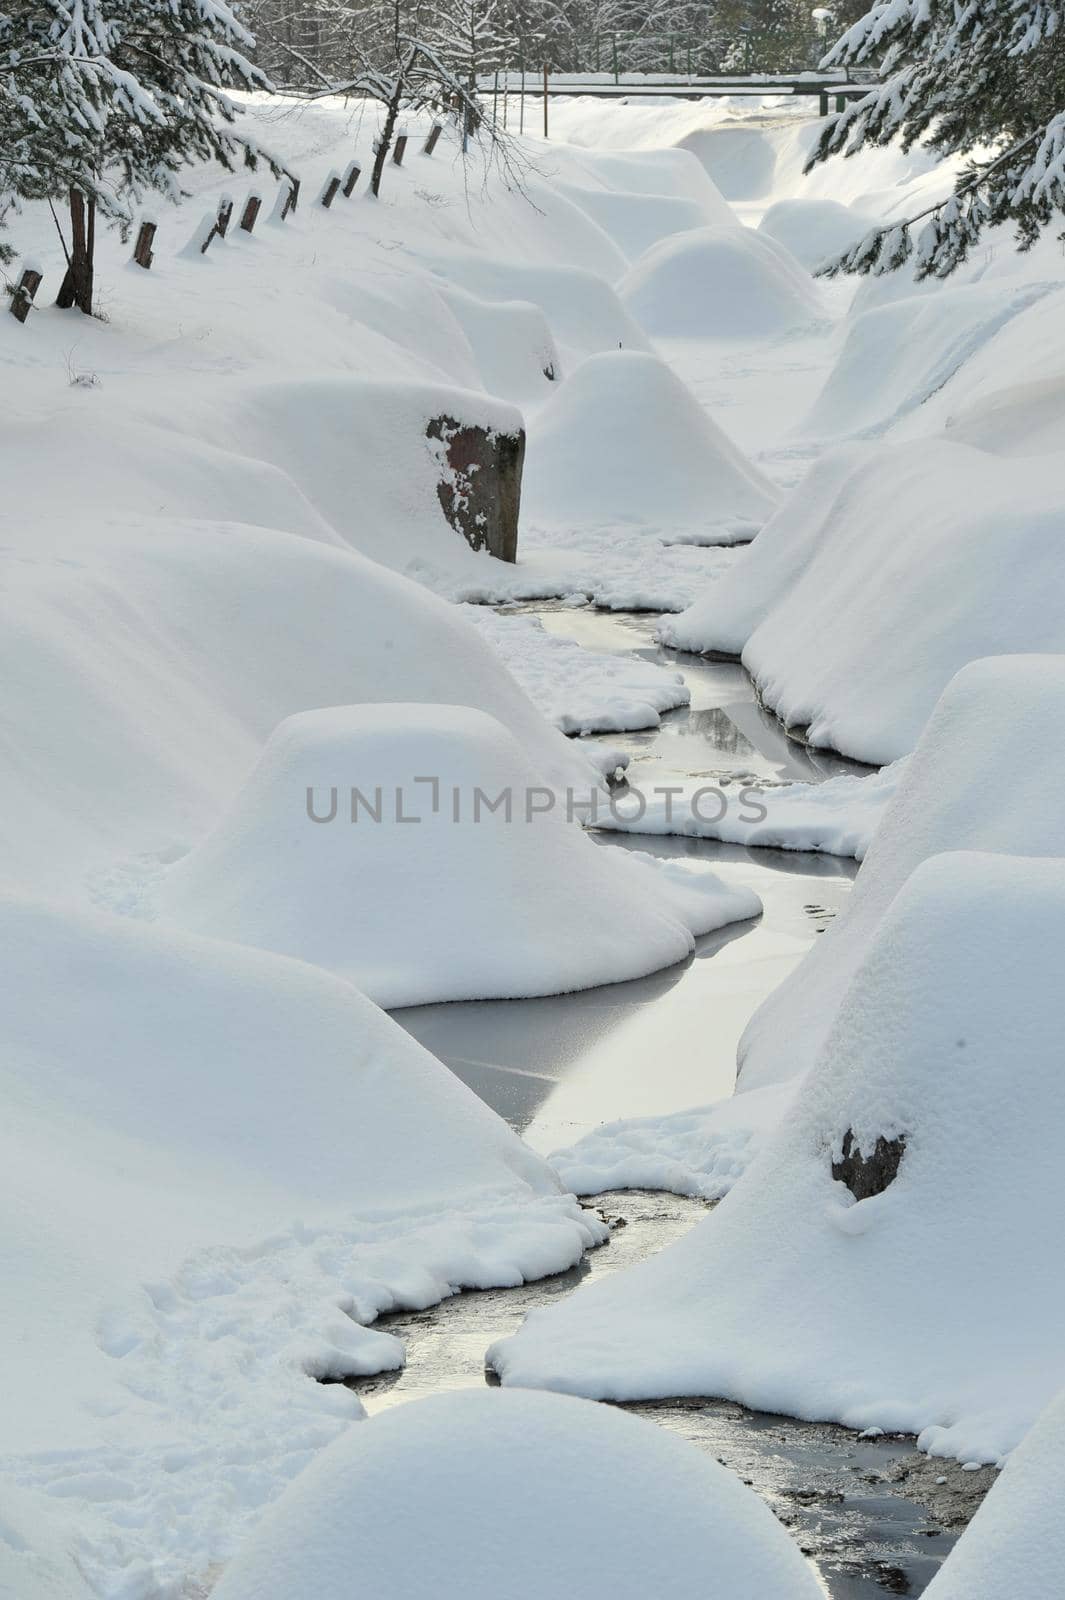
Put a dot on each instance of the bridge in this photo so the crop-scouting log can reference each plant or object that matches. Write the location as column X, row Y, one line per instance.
column 826, row 87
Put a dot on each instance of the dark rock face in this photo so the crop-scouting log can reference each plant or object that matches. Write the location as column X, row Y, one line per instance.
column 480, row 492
column 866, row 1175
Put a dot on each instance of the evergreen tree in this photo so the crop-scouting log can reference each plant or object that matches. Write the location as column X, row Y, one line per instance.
column 103, row 101
column 989, row 74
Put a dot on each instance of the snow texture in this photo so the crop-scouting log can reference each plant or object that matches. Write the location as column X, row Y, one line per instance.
column 217, row 1167
column 494, row 1488
column 908, row 1303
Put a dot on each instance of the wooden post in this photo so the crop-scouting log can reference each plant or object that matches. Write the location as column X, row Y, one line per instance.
column 329, row 193
column 822, row 106
column 25, row 289
column 292, row 199
column 545, row 99
column 841, row 102
column 351, row 178
column 434, row 134
column 143, row 254
column 225, row 215
column 399, row 149
column 250, row 215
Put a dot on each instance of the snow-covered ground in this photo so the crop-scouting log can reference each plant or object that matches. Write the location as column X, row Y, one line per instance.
column 227, row 580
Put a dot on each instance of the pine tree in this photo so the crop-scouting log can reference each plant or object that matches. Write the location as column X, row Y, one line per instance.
column 989, row 74
column 103, row 101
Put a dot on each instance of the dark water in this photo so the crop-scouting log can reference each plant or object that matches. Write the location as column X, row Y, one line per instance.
column 873, row 1516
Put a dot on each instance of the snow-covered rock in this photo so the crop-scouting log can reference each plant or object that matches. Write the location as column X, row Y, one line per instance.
column 886, row 571
column 216, row 1168
column 623, row 442
column 985, row 776
column 889, row 1258
column 144, row 663
column 1015, row 1545
column 720, row 283
column 494, row 1489
column 436, row 866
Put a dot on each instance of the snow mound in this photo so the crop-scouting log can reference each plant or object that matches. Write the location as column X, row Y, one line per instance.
column 895, row 358
column 1015, row 1545
column 720, row 283
column 581, row 309
column 230, row 628
column 512, row 344
column 813, row 231
column 495, row 1492
column 967, row 551
column 856, row 1273
column 624, row 441
column 424, row 911
column 637, row 221
column 986, row 775
column 168, row 1113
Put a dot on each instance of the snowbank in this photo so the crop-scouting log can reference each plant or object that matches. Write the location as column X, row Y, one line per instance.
column 986, row 775
column 814, row 231
column 720, row 283
column 488, row 893
column 624, row 442
column 897, row 356
column 229, row 628
column 494, row 1489
column 838, row 816
column 170, row 1110
column 701, row 1152
column 1015, row 1545
column 888, row 1260
column 635, row 222
column 887, row 571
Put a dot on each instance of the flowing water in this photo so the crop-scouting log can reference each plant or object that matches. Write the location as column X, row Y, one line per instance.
column 872, row 1515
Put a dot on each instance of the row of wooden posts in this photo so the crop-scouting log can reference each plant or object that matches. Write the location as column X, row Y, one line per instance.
column 143, row 250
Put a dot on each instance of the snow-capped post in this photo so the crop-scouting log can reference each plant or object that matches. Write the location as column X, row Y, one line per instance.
column 22, row 295
column 291, row 200
column 351, row 178
column 250, row 215
column 399, row 149
column 143, row 253
column 480, row 482
column 329, row 190
column 225, row 216
column 431, row 140
column 76, row 287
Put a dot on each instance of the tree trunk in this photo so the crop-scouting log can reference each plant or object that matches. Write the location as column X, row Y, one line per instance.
column 76, row 288
column 384, row 142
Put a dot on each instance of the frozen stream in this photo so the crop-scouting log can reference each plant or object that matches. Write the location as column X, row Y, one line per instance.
column 873, row 1516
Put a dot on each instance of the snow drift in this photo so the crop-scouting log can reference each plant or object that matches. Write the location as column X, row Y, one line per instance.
column 967, row 555
column 495, row 1490
column 169, row 1111
column 1015, row 1545
column 720, row 283
column 986, row 775
column 624, row 441
column 413, row 850
column 855, row 1273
